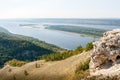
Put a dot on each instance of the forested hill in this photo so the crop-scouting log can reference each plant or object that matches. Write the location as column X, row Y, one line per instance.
column 22, row 48
column 2, row 30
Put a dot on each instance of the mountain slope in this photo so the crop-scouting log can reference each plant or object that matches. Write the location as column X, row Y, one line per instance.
column 22, row 47
column 4, row 30
column 41, row 70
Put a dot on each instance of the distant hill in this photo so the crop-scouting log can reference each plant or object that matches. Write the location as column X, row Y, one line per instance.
column 24, row 48
column 2, row 30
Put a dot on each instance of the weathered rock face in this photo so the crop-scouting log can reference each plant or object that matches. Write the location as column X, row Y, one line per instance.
column 106, row 52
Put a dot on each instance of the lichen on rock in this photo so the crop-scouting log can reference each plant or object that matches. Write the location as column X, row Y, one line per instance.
column 106, row 52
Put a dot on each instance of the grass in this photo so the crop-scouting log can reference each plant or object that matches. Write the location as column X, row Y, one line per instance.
column 82, row 70
column 82, row 73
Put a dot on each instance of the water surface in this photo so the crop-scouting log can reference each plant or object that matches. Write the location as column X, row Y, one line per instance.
column 59, row 38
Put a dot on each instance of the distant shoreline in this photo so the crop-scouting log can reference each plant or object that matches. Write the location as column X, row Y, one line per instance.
column 83, row 35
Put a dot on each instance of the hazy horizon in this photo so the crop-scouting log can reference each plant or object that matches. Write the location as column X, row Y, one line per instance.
column 59, row 9
column 58, row 18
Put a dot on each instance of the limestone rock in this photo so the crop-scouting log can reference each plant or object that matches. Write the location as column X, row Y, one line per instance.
column 106, row 53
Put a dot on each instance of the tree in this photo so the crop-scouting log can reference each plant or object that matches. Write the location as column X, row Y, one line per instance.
column 79, row 49
column 89, row 46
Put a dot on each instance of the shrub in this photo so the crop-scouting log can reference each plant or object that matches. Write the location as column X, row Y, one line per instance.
column 37, row 65
column 89, row 46
column 83, row 66
column 79, row 49
column 17, row 63
column 14, row 78
column 82, row 70
column 59, row 56
column 25, row 72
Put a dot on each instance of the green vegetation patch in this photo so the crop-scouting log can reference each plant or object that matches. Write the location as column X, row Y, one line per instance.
column 67, row 53
column 23, row 48
column 42, row 44
column 16, row 63
column 89, row 46
column 57, row 56
column 82, row 70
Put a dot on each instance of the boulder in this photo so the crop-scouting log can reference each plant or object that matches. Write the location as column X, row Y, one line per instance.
column 106, row 54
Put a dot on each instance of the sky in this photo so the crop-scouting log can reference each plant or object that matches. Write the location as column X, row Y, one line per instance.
column 59, row 9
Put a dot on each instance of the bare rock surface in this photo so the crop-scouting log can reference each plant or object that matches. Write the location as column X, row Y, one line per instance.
column 105, row 58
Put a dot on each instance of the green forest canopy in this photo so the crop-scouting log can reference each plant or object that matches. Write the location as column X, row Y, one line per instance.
column 23, row 48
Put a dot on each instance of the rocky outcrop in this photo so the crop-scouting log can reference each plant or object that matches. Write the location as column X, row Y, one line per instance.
column 106, row 54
